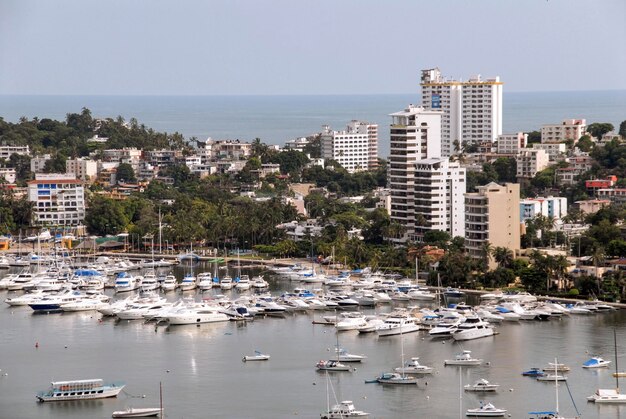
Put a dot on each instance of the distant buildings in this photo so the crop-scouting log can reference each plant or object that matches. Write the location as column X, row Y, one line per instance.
column 59, row 199
column 7, row 174
column 84, row 169
column 591, row 206
column 593, row 185
column 355, row 148
column 512, row 143
column 552, row 207
column 531, row 161
column 569, row 129
column 492, row 215
column 472, row 109
column 6, row 151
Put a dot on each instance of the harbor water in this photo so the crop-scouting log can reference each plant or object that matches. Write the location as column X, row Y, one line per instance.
column 202, row 373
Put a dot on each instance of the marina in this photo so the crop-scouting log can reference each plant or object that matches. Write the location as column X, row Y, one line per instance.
column 187, row 358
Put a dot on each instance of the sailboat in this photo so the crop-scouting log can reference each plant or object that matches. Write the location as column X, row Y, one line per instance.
column 395, row 377
column 610, row 395
column 555, row 413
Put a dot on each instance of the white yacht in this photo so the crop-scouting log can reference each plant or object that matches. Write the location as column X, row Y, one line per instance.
column 226, row 283
column 345, row 409
column 342, row 355
column 350, row 321
column 205, row 281
column 243, row 284
column 481, row 385
column 169, row 283
column 473, row 328
column 259, row 282
column 464, row 358
column 149, row 282
column 126, row 282
column 486, row 410
column 196, row 315
column 448, row 324
column 398, row 324
column 413, row 366
column 189, row 283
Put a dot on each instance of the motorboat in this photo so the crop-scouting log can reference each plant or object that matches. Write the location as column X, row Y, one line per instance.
column 126, row 282
column 243, row 284
column 52, row 303
column 610, row 395
column 188, row 283
column 79, row 390
column 137, row 412
column 472, row 328
column 25, row 299
column 492, row 296
column 331, row 365
column 446, row 325
column 343, row 355
column 398, row 324
column 258, row 356
column 226, row 283
column 149, row 282
column 269, row 306
column 486, row 410
column 169, row 283
column 481, row 385
column 534, row 372
column 238, row 312
column 552, row 367
column 420, row 294
column 463, row 358
column 345, row 409
column 86, row 304
column 371, row 325
column 259, row 282
column 195, row 315
column 351, row 321
column 552, row 377
column 205, row 281
column 596, row 362
column 453, row 293
column 396, row 378
column 413, row 366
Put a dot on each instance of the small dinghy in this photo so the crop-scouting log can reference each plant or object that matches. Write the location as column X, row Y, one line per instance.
column 137, row 412
column 596, row 362
column 487, row 410
column 258, row 356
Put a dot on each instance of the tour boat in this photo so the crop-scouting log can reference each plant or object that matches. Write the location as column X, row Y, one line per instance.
column 258, row 356
column 345, row 409
column 464, row 358
column 472, row 328
column 596, row 362
column 331, row 365
column 79, row 390
column 486, row 410
column 137, row 412
column 413, row 366
column 481, row 385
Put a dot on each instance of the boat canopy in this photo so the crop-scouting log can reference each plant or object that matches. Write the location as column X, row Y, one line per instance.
column 87, row 272
column 592, row 361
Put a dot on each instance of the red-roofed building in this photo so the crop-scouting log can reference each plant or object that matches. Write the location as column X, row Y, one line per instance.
column 595, row 184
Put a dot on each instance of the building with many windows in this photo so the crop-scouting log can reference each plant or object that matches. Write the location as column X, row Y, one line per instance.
column 6, row 151
column 439, row 202
column 492, row 215
column 554, row 207
column 531, row 161
column 59, row 199
column 512, row 143
column 84, row 169
column 472, row 109
column 569, row 129
column 415, row 134
column 355, row 149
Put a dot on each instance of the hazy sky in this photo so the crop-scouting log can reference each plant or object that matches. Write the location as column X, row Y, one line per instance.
column 182, row 47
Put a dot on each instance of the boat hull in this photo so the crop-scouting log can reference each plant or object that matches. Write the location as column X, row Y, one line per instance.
column 142, row 412
column 60, row 397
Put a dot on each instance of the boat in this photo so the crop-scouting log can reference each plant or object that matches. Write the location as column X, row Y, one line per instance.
column 453, row 293
column 398, row 324
column 481, row 385
column 552, row 377
column 345, row 409
column 554, row 414
column 226, row 283
column 258, row 356
column 486, row 410
column 472, row 328
column 343, row 355
column 79, row 390
column 331, row 365
column 205, row 281
column 195, row 315
column 534, row 372
column 395, row 378
column 413, row 366
column 611, row 395
column 137, row 412
column 126, row 282
column 556, row 367
column 464, row 358
column 188, row 282
column 596, row 362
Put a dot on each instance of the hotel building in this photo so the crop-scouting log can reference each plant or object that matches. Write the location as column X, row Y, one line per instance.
column 355, row 149
column 59, row 199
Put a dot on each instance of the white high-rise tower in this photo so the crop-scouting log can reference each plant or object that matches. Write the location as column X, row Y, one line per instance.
column 472, row 109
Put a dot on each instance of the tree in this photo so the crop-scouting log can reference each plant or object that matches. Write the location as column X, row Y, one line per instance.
column 437, row 238
column 503, row 256
column 585, row 143
column 534, row 137
column 125, row 173
column 598, row 129
column 105, row 216
column 622, row 129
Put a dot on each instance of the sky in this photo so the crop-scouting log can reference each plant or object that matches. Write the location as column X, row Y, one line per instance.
column 282, row 47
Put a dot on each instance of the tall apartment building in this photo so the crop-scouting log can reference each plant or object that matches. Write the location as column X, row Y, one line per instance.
column 415, row 134
column 569, row 129
column 439, row 201
column 59, row 199
column 492, row 215
column 512, row 143
column 356, row 148
column 472, row 109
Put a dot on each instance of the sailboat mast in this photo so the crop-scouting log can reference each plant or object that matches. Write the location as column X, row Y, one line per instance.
column 460, row 394
column 161, row 399
column 556, row 384
column 616, row 369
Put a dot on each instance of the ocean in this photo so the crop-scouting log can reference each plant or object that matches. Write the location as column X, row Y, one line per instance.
column 276, row 119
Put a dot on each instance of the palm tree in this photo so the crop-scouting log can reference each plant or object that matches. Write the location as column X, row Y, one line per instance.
column 503, row 256
column 486, row 250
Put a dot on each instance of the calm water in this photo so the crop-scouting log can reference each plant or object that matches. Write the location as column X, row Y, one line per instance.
column 206, row 377
column 276, row 119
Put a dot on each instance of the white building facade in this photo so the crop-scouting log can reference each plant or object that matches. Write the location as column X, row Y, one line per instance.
column 554, row 207
column 84, row 169
column 59, row 199
column 531, row 161
column 439, row 197
column 356, row 148
column 512, row 143
column 472, row 109
column 569, row 129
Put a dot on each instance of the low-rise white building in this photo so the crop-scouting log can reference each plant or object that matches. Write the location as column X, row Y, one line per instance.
column 553, row 150
column 512, row 143
column 531, row 161
column 551, row 206
column 59, row 199
column 38, row 163
column 84, row 169
column 6, row 151
column 8, row 174
column 298, row 144
column 569, row 129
